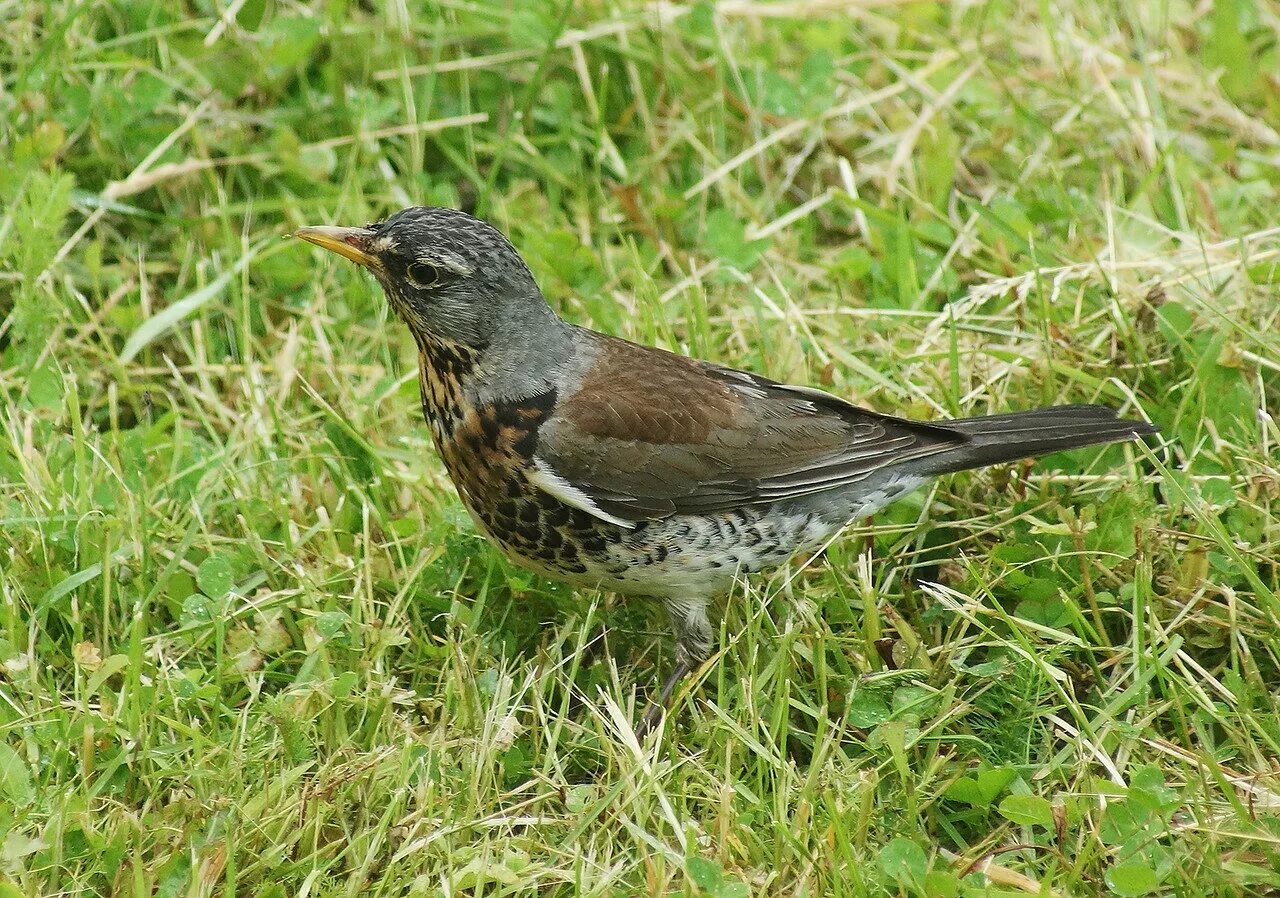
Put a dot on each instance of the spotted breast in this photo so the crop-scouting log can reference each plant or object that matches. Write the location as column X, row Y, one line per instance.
column 489, row 452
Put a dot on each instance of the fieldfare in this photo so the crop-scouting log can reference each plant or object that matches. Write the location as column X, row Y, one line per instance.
column 608, row 464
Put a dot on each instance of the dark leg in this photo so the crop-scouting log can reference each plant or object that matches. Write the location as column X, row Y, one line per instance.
column 590, row 652
column 693, row 646
column 654, row 712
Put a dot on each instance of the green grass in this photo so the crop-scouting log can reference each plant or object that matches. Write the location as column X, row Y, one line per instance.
column 250, row 644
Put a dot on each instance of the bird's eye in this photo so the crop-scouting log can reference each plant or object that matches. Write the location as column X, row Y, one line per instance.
column 423, row 274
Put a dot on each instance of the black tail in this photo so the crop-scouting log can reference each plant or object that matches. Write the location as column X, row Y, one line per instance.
column 993, row 439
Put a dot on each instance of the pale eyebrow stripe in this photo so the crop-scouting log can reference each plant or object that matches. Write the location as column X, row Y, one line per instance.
column 451, row 262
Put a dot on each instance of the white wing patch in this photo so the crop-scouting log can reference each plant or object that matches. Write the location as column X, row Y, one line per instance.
column 547, row 480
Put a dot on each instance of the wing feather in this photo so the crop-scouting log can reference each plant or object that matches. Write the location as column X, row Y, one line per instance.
column 649, row 434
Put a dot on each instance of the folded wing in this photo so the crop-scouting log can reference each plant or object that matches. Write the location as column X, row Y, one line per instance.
column 650, row 434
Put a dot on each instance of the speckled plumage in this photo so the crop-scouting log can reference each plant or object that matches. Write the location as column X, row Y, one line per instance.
column 613, row 465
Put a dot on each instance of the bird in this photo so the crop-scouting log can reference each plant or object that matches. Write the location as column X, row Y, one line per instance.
column 604, row 463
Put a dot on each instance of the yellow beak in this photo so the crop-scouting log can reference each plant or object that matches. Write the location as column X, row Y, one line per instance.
column 350, row 242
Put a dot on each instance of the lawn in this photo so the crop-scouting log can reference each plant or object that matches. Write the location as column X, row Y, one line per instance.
column 250, row 642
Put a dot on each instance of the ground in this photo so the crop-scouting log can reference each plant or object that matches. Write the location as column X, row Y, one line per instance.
column 251, row 645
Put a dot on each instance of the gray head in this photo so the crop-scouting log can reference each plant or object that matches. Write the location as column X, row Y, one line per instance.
column 449, row 276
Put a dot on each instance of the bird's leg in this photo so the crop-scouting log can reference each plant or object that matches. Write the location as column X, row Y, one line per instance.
column 590, row 652
column 693, row 646
column 656, row 709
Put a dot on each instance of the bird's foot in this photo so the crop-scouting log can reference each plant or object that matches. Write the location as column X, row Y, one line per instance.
column 658, row 709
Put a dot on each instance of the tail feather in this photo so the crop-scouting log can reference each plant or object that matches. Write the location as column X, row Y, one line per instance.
column 994, row 439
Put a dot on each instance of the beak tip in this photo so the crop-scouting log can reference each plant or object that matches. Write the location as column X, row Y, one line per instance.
column 349, row 242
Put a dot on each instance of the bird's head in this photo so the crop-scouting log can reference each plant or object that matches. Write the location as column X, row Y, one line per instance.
column 451, row 277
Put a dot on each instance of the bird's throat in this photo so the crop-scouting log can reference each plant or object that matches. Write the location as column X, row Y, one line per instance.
column 444, row 369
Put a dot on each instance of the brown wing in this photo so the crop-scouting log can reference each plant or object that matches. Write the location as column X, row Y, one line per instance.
column 649, row 434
